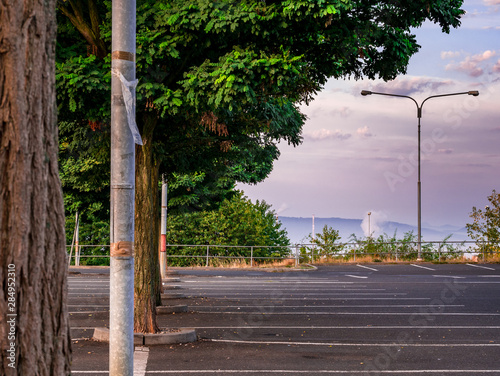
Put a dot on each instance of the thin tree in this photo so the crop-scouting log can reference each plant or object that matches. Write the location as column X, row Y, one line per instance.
column 485, row 226
column 34, row 329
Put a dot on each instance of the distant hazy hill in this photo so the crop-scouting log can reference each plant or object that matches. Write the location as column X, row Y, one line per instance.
column 299, row 228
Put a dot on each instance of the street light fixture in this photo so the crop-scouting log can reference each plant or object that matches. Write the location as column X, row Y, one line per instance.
column 474, row 93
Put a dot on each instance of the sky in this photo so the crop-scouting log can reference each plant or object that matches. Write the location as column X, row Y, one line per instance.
column 359, row 153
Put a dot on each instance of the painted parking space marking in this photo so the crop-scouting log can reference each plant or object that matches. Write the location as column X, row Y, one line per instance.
column 479, row 266
column 287, row 371
column 448, row 276
column 291, row 292
column 194, row 308
column 355, row 276
column 290, row 343
column 283, row 298
column 422, row 267
column 361, row 327
column 141, row 355
column 295, row 289
column 427, row 314
column 367, row 267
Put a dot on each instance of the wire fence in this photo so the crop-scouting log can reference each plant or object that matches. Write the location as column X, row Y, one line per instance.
column 365, row 250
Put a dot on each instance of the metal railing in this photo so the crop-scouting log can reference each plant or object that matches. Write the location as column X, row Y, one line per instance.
column 188, row 255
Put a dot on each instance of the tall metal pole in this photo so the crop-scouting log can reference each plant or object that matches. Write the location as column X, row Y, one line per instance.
column 419, row 192
column 121, row 321
column 474, row 93
column 163, row 239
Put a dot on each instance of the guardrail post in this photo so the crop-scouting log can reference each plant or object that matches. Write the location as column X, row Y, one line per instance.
column 208, row 250
column 297, row 256
column 354, row 253
column 163, row 229
column 77, row 240
column 251, row 256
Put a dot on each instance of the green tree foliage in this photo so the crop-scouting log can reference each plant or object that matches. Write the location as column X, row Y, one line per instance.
column 405, row 248
column 220, row 82
column 485, row 226
column 223, row 79
column 327, row 246
column 237, row 222
column 84, row 171
column 325, row 243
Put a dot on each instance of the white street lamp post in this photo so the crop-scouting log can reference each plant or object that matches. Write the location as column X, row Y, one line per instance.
column 474, row 93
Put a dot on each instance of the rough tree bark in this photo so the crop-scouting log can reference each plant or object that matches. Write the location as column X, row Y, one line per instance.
column 147, row 282
column 32, row 238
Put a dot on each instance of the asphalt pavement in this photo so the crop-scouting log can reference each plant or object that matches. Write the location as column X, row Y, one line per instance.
column 346, row 319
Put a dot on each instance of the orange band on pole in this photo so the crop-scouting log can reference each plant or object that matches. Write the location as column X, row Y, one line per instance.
column 122, row 55
column 163, row 243
column 122, row 249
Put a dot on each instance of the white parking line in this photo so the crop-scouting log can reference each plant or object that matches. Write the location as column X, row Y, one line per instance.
column 478, row 266
column 283, row 298
column 355, row 276
column 140, row 360
column 447, row 276
column 194, row 308
column 427, row 314
column 367, row 267
column 283, row 294
column 384, row 327
column 245, row 283
column 356, row 344
column 287, row 371
column 423, row 267
column 252, row 288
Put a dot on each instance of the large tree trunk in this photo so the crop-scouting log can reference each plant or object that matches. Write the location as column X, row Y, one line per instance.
column 147, row 267
column 34, row 330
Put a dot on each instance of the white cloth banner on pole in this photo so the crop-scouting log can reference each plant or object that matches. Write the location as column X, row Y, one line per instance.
column 129, row 99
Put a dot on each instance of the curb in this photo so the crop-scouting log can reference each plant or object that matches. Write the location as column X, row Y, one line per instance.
column 172, row 296
column 181, row 336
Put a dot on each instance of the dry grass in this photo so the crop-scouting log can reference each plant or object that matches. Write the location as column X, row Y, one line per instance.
column 245, row 263
column 290, row 263
column 493, row 258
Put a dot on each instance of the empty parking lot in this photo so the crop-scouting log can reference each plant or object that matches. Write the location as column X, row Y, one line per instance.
column 407, row 319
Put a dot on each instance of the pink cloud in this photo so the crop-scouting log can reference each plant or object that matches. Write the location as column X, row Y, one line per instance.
column 325, row 134
column 488, row 54
column 449, row 54
column 496, row 67
column 410, row 85
column 491, row 2
column 364, row 132
column 471, row 64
